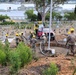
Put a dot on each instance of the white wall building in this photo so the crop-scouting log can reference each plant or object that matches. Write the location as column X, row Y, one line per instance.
column 15, row 11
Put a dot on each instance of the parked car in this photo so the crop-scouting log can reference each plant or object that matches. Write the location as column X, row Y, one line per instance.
column 52, row 34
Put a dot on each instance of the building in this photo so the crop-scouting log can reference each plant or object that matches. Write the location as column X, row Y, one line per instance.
column 15, row 11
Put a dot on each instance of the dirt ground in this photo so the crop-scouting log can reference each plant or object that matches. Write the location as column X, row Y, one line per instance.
column 36, row 67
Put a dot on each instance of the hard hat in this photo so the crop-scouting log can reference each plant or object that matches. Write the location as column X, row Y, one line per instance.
column 39, row 22
column 69, row 32
column 16, row 34
column 19, row 33
column 33, row 36
column 71, row 29
column 6, row 34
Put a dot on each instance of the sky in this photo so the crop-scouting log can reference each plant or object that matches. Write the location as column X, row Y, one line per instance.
column 15, row 6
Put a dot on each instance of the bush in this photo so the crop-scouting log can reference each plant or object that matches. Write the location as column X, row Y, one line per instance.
column 25, row 53
column 73, row 60
column 52, row 70
column 6, row 51
column 7, row 23
column 2, row 57
column 15, row 62
column 1, row 46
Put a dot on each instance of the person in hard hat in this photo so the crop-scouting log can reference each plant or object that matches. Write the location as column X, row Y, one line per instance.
column 23, row 38
column 43, row 41
column 71, row 39
column 36, row 29
column 33, row 42
column 30, row 36
column 6, row 39
column 17, row 39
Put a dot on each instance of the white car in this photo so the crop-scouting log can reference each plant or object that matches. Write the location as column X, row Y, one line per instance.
column 46, row 30
column 52, row 34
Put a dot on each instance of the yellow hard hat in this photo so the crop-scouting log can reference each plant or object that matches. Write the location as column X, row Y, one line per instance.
column 39, row 22
column 6, row 34
column 16, row 34
column 71, row 29
column 19, row 34
column 69, row 32
column 33, row 36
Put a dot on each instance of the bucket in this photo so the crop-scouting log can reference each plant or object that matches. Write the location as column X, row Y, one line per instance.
column 64, row 39
column 53, row 51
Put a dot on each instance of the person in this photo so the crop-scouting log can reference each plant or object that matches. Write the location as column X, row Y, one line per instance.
column 17, row 39
column 43, row 40
column 22, row 37
column 36, row 29
column 40, row 29
column 33, row 42
column 6, row 39
column 71, row 39
column 30, row 36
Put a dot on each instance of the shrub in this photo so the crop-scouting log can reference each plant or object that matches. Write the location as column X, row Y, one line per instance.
column 15, row 62
column 73, row 60
column 1, row 46
column 2, row 57
column 6, row 51
column 25, row 53
column 52, row 70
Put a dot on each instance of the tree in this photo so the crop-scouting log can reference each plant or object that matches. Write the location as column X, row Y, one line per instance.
column 75, row 10
column 31, row 15
column 70, row 16
column 3, row 17
column 55, row 15
column 42, row 5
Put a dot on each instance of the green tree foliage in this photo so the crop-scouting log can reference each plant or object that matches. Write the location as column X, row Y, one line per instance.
column 3, row 17
column 15, row 62
column 47, row 16
column 52, row 70
column 70, row 16
column 73, row 60
column 31, row 15
column 25, row 53
column 6, row 50
column 43, row 4
column 75, row 10
column 2, row 57
column 54, row 15
column 1, row 46
column 5, row 20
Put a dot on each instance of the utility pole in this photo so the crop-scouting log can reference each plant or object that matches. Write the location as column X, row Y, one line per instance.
column 50, row 24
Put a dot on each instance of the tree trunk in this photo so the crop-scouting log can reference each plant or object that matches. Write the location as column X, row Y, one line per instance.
column 43, row 12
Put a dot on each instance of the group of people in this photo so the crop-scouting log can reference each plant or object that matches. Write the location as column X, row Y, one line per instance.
column 18, row 38
column 70, row 43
